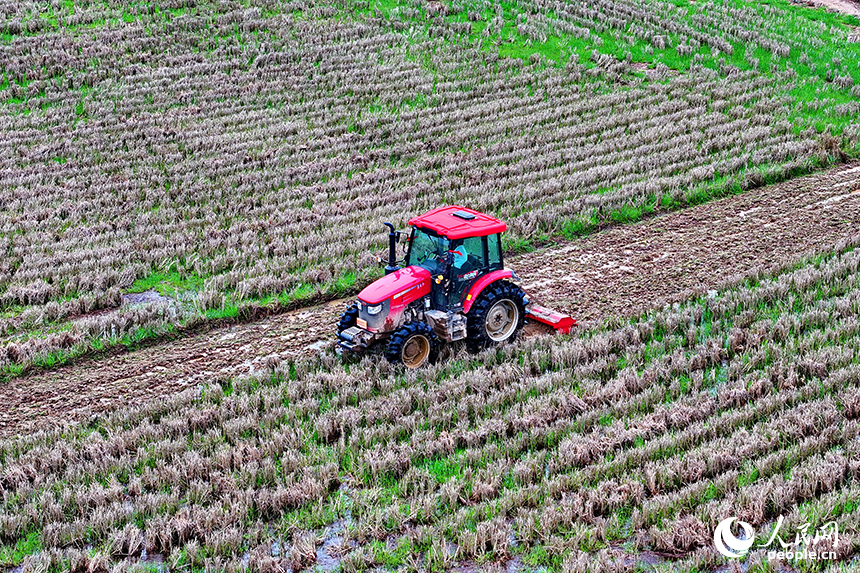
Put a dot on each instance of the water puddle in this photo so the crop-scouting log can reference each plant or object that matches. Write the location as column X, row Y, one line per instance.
column 513, row 565
column 336, row 544
column 646, row 559
column 144, row 297
column 153, row 561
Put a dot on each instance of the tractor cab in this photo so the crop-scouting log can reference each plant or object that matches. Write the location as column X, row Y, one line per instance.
column 456, row 246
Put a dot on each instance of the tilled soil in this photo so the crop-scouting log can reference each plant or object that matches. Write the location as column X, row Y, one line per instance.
column 851, row 7
column 621, row 271
column 628, row 269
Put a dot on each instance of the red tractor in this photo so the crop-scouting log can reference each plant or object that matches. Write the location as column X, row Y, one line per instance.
column 454, row 287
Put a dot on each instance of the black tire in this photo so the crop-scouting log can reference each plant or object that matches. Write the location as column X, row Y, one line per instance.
column 416, row 340
column 485, row 325
column 348, row 318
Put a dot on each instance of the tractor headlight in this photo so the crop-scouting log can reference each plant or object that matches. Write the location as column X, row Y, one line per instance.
column 374, row 310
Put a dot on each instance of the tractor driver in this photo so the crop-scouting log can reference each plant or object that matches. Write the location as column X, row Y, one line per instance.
column 464, row 260
column 464, row 271
column 460, row 256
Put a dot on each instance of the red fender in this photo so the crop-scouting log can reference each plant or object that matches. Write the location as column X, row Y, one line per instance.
column 481, row 284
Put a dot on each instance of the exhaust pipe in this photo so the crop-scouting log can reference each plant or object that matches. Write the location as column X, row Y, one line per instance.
column 393, row 236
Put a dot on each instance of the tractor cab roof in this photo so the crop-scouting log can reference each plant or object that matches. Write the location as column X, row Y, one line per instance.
column 457, row 222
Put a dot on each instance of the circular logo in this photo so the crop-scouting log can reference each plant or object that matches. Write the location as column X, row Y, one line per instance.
column 729, row 545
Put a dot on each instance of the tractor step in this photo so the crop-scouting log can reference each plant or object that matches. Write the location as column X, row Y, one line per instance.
column 558, row 320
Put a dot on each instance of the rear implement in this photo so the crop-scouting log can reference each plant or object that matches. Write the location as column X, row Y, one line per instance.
column 561, row 322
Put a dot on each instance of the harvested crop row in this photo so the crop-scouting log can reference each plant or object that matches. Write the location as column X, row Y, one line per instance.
column 239, row 153
column 622, row 271
column 742, row 402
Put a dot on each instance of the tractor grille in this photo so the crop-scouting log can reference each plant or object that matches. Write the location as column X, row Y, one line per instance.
column 354, row 338
column 374, row 322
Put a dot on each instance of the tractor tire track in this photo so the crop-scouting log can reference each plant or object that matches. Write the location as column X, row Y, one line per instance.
column 620, row 271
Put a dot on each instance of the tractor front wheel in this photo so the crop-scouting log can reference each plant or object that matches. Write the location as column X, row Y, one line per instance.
column 413, row 345
column 497, row 316
column 348, row 318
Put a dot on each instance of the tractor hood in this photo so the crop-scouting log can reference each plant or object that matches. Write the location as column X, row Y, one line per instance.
column 406, row 285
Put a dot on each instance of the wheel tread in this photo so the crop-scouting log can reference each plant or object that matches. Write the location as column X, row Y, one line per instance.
column 477, row 338
column 401, row 335
column 349, row 318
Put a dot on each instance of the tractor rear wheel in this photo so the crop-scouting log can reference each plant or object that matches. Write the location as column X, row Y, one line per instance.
column 348, row 318
column 414, row 345
column 497, row 316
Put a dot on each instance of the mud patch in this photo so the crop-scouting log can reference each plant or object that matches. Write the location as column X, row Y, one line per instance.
column 335, row 546
column 843, row 6
column 513, row 565
column 834, row 201
column 153, row 561
column 319, row 345
column 535, row 328
column 643, row 559
column 143, row 297
column 658, row 72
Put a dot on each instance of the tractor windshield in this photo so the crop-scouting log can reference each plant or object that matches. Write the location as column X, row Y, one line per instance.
column 428, row 251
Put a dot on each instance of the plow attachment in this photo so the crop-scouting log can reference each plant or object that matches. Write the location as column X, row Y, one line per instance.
column 561, row 322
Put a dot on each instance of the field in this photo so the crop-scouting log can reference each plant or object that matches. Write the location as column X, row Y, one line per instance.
column 586, row 453
column 232, row 156
column 620, row 272
column 191, row 191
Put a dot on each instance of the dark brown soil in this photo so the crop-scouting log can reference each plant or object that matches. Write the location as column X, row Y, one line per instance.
column 628, row 269
column 620, row 271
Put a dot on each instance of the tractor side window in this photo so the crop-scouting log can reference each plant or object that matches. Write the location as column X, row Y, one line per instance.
column 494, row 252
column 428, row 251
column 468, row 262
column 468, row 255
